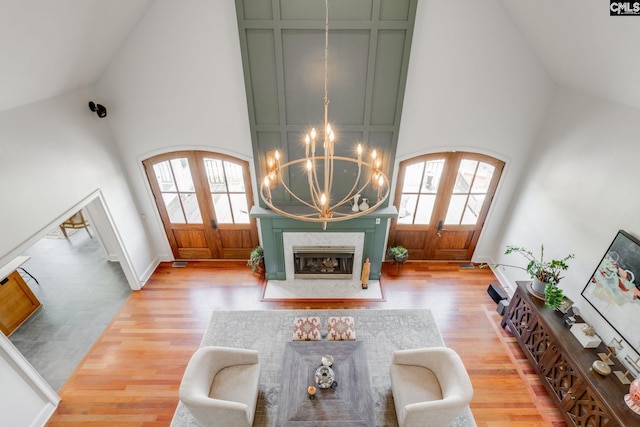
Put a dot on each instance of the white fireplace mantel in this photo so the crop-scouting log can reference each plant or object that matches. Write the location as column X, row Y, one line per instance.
column 291, row 239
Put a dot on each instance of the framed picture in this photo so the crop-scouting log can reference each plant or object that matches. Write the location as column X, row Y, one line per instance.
column 565, row 305
column 613, row 289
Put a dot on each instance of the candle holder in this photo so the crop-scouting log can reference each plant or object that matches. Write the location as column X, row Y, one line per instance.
column 622, row 376
column 311, row 392
column 614, row 347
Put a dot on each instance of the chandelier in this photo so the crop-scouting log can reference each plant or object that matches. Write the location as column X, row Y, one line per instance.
column 321, row 204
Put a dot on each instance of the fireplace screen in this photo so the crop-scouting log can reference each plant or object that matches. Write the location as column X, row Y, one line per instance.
column 323, row 262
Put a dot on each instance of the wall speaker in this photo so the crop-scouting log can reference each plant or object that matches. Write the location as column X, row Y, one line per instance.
column 99, row 109
column 496, row 293
column 502, row 307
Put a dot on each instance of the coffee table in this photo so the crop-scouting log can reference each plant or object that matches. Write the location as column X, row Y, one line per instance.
column 349, row 404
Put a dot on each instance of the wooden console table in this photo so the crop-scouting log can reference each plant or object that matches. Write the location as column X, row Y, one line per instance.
column 17, row 302
column 584, row 397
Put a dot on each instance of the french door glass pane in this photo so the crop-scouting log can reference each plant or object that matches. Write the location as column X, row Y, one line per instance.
column 182, row 174
column 483, row 178
column 425, row 209
column 174, row 208
column 215, row 175
column 407, row 208
column 474, row 205
column 432, row 176
column 466, row 172
column 456, row 206
column 191, row 208
column 240, row 209
column 164, row 176
column 412, row 178
column 235, row 178
column 223, row 210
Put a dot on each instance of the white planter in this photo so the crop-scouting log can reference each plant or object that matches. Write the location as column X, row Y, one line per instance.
column 538, row 287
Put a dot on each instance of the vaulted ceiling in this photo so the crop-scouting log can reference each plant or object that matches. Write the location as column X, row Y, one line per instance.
column 50, row 48
column 283, row 53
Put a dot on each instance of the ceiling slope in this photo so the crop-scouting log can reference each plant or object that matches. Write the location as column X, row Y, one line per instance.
column 49, row 48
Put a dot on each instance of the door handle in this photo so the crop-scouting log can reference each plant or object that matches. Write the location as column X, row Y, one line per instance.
column 440, row 228
column 213, row 224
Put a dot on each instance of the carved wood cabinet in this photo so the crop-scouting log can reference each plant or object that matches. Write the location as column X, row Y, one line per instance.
column 584, row 397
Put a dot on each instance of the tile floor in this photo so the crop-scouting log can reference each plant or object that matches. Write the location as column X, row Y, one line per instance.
column 80, row 292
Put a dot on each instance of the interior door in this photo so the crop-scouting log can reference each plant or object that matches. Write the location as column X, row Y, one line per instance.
column 442, row 201
column 203, row 200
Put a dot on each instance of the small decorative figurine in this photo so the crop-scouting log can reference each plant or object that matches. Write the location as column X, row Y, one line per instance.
column 355, row 206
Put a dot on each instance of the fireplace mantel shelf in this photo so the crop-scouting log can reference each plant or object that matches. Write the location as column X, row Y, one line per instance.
column 260, row 212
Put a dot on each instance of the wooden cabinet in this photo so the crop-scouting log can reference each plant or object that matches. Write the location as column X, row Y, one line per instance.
column 17, row 303
column 586, row 398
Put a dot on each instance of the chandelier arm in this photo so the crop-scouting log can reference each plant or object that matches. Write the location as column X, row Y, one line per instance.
column 286, row 187
column 351, row 193
column 316, row 183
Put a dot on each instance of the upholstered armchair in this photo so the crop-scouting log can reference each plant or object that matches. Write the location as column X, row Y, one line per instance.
column 220, row 386
column 430, row 386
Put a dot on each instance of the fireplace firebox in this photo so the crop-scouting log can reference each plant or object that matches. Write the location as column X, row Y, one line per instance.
column 323, row 262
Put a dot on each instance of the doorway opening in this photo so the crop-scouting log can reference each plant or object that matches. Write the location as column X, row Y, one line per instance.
column 203, row 200
column 442, row 201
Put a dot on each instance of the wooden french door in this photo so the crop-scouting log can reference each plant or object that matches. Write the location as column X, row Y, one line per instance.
column 442, row 201
column 204, row 200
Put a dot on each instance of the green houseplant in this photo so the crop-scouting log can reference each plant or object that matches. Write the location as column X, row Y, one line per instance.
column 545, row 273
column 398, row 253
column 256, row 259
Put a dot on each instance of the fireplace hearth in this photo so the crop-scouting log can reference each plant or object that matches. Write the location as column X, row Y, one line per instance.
column 323, row 262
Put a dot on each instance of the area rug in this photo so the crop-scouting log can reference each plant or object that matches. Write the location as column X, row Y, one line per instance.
column 381, row 331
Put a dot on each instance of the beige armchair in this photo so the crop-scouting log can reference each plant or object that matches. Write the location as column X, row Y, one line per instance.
column 430, row 386
column 220, row 386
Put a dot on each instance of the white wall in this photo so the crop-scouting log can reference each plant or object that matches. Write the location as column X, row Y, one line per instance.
column 582, row 188
column 27, row 400
column 53, row 154
column 177, row 84
column 473, row 85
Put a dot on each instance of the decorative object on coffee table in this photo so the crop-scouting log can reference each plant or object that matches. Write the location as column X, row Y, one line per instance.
column 327, row 360
column 324, row 377
column 311, row 391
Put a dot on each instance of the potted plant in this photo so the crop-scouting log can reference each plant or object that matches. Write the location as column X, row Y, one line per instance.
column 256, row 259
column 545, row 274
column 398, row 253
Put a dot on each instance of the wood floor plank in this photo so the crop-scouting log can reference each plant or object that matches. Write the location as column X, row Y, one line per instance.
column 131, row 375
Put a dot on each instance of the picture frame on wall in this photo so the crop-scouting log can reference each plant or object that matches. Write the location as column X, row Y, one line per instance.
column 614, row 288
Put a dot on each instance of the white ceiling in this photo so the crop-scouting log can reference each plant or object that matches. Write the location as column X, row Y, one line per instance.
column 48, row 48
column 582, row 47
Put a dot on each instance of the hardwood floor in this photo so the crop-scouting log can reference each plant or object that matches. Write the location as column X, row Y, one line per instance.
column 132, row 374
